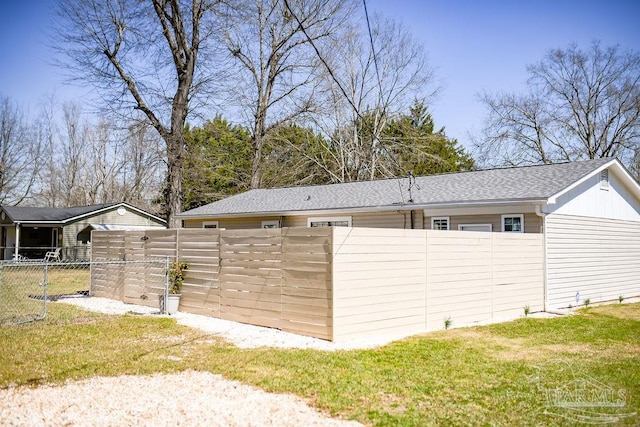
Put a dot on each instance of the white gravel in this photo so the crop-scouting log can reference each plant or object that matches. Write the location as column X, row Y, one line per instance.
column 240, row 334
column 186, row 399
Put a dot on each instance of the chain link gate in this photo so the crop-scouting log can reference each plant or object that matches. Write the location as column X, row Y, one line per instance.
column 27, row 286
column 23, row 292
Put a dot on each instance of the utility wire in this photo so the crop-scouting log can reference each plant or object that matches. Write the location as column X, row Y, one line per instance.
column 373, row 51
column 315, row 48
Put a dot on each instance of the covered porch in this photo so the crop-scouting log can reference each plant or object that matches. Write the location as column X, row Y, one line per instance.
column 29, row 241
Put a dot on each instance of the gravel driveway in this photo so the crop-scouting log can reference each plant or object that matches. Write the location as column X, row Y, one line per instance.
column 205, row 399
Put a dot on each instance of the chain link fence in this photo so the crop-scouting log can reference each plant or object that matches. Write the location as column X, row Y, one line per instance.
column 27, row 286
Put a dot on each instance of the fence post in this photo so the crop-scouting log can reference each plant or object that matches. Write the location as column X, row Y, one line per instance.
column 44, row 285
column 163, row 309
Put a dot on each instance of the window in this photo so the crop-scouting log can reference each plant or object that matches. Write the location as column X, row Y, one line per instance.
column 209, row 224
column 271, row 224
column 440, row 223
column 475, row 227
column 604, row 179
column 513, row 223
column 344, row 221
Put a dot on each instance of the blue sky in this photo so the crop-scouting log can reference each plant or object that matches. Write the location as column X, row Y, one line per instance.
column 475, row 46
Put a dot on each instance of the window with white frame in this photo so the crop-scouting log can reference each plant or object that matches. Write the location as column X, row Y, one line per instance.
column 271, row 224
column 475, row 227
column 342, row 221
column 513, row 223
column 209, row 224
column 440, row 223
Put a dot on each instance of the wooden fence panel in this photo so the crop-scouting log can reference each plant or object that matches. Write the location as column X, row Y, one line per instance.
column 107, row 281
column 201, row 289
column 307, row 297
column 108, row 245
column 251, row 276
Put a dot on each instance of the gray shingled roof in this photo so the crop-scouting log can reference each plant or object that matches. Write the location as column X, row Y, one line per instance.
column 29, row 214
column 532, row 183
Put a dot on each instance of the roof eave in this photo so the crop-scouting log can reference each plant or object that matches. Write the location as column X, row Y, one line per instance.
column 111, row 207
column 360, row 209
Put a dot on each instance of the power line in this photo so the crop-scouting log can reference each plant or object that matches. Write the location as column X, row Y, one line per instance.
column 315, row 48
column 373, row 51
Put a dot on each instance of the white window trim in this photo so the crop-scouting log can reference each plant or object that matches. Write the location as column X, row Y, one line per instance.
column 271, row 223
column 521, row 216
column 205, row 223
column 440, row 218
column 329, row 219
column 462, row 226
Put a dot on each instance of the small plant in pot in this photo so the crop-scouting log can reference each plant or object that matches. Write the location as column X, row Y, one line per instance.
column 177, row 271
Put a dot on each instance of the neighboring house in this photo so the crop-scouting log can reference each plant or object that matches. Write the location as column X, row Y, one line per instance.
column 32, row 231
column 589, row 212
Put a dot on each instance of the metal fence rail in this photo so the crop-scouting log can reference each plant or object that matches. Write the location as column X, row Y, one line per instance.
column 27, row 286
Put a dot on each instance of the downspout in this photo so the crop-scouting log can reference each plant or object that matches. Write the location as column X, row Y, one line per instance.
column 543, row 215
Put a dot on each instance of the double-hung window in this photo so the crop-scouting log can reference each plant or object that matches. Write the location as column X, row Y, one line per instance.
column 513, row 223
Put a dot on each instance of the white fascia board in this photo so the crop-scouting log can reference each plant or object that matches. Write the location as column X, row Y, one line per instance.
column 366, row 209
column 109, row 208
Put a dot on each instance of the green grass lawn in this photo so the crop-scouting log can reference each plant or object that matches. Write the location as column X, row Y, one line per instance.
column 526, row 372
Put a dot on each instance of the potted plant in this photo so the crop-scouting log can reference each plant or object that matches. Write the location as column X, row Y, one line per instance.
column 177, row 271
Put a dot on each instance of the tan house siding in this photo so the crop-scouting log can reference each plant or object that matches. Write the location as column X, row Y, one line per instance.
column 595, row 258
column 112, row 217
column 231, row 223
column 392, row 219
column 532, row 222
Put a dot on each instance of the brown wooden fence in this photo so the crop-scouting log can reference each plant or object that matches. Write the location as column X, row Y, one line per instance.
column 279, row 278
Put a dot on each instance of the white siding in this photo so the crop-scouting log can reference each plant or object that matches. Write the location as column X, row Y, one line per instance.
column 588, row 199
column 595, row 257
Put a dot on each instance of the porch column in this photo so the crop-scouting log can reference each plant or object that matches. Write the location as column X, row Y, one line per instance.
column 15, row 254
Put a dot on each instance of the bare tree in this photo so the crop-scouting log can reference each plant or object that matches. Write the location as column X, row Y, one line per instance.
column 141, row 180
column 143, row 55
column 581, row 104
column 277, row 66
column 71, row 164
column 102, row 162
column 371, row 77
column 20, row 146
